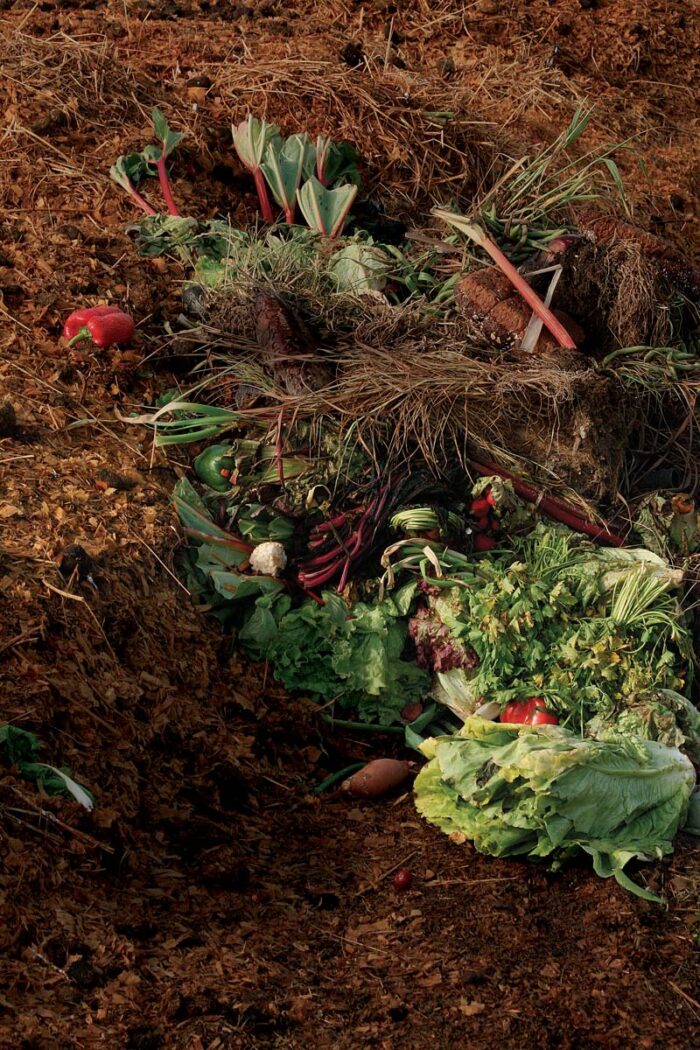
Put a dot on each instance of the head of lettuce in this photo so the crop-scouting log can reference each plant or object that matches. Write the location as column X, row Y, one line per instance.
column 540, row 791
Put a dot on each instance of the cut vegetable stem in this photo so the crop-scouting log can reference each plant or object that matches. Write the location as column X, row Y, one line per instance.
column 165, row 186
column 553, row 508
column 477, row 235
column 261, row 187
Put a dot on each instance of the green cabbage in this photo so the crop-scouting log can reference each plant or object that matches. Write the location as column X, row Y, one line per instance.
column 542, row 792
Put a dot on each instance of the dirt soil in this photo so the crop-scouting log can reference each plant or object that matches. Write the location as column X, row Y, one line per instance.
column 211, row 900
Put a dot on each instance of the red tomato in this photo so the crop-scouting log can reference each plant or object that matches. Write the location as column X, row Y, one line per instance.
column 543, row 718
column 528, row 712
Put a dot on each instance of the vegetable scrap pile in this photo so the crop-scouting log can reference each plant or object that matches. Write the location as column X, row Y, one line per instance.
column 517, row 627
column 541, row 659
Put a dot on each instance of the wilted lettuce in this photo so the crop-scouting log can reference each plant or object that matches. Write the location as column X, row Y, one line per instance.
column 542, row 792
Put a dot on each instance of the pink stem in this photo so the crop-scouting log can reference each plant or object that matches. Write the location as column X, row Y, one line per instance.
column 261, row 187
column 165, row 185
column 551, row 507
column 136, row 196
column 346, row 573
column 529, row 294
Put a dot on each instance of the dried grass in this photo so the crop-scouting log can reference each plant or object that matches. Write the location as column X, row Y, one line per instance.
column 64, row 81
column 419, row 138
column 412, row 389
column 623, row 297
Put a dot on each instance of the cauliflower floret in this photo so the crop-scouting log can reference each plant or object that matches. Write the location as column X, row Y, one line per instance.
column 268, row 559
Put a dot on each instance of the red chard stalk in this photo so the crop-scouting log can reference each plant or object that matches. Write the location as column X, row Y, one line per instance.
column 169, row 141
column 251, row 139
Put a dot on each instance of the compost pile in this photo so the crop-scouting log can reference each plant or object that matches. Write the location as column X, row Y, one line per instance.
column 444, row 486
column 351, row 380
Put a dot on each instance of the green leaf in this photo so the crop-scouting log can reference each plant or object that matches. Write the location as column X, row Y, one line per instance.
column 615, row 175
column 282, row 169
column 20, row 748
column 199, row 525
column 158, row 235
column 543, row 792
column 326, row 210
column 335, row 162
column 128, row 170
column 360, row 268
column 236, row 587
column 579, row 123
column 169, row 139
column 251, row 139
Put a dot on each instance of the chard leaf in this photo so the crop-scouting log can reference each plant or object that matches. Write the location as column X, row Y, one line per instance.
column 169, row 139
column 129, row 169
column 282, row 168
column 326, row 210
column 251, row 139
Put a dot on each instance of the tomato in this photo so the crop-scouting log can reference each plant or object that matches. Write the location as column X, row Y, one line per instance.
column 528, row 712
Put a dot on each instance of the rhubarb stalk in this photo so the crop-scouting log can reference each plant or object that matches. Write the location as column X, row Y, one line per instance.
column 477, row 235
column 169, row 141
column 553, row 508
column 165, row 186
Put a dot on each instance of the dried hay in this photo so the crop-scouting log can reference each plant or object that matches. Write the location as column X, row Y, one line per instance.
column 63, row 82
column 412, row 389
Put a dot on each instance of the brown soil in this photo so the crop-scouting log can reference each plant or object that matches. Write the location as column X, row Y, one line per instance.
column 211, row 901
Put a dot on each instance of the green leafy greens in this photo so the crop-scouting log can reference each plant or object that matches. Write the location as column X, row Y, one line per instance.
column 542, row 792
column 333, row 652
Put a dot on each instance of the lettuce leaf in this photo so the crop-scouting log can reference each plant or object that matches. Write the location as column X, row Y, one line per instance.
column 542, row 792
column 333, row 652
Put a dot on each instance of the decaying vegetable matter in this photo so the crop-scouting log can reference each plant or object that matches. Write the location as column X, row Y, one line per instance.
column 420, row 484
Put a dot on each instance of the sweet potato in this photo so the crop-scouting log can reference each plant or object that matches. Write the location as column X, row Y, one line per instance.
column 487, row 297
column 377, row 778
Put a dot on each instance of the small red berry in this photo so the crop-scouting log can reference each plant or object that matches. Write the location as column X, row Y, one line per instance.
column 402, row 879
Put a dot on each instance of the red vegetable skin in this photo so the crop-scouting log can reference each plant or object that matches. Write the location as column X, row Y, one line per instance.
column 479, row 507
column 79, row 318
column 482, row 542
column 109, row 329
column 528, row 712
column 411, row 712
column 543, row 718
column 377, row 778
column 402, row 879
column 547, row 505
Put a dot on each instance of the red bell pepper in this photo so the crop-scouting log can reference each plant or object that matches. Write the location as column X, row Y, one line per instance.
column 530, row 712
column 479, row 507
column 102, row 325
column 483, row 504
column 79, row 318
